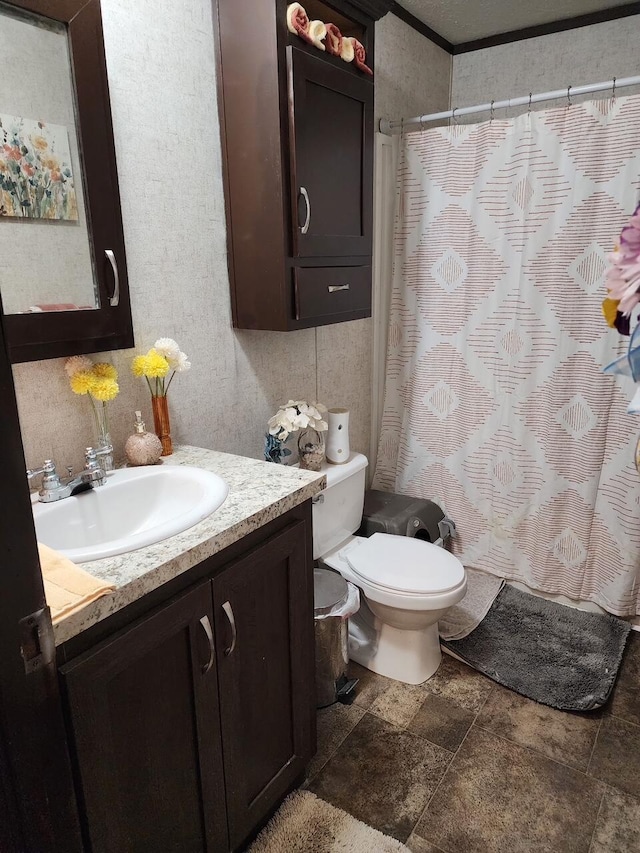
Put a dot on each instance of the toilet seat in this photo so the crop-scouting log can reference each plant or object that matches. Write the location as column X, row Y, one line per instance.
column 405, row 566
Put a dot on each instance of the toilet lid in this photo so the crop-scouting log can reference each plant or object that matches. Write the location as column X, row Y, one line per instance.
column 405, row 564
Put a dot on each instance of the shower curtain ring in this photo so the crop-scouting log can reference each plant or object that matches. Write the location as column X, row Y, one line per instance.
column 421, row 124
column 569, row 104
column 613, row 91
column 401, row 128
column 492, row 112
column 453, row 115
column 529, row 108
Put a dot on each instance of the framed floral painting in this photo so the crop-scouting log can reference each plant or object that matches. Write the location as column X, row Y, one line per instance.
column 36, row 181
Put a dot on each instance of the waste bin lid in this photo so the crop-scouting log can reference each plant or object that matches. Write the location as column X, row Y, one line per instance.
column 329, row 590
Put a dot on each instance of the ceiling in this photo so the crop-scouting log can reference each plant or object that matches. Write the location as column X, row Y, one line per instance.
column 460, row 21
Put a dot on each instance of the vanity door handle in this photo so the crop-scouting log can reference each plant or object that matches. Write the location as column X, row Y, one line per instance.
column 115, row 299
column 206, row 626
column 305, row 195
column 228, row 612
column 334, row 288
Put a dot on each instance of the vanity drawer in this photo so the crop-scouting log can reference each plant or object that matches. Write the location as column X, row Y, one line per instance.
column 327, row 291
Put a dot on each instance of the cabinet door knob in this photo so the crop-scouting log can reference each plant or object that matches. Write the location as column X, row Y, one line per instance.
column 115, row 299
column 228, row 610
column 305, row 195
column 206, row 625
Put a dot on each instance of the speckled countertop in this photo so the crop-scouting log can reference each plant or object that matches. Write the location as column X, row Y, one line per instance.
column 258, row 493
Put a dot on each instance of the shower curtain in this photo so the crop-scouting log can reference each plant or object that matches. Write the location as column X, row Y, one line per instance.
column 495, row 401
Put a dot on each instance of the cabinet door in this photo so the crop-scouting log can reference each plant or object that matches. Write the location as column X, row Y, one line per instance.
column 264, row 636
column 331, row 149
column 144, row 714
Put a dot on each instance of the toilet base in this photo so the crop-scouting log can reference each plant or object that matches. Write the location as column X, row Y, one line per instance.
column 408, row 656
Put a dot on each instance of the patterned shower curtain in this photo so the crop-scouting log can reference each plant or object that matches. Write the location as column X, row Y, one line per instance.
column 495, row 401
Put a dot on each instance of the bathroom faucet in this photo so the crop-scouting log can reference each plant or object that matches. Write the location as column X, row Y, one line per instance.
column 54, row 488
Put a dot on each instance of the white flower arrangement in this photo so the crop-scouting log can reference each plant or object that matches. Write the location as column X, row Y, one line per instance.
column 296, row 415
column 168, row 348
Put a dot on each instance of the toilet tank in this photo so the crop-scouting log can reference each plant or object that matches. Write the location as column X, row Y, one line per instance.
column 338, row 513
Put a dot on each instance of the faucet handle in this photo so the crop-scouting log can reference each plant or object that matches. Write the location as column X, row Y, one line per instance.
column 52, row 488
column 91, row 453
column 47, row 470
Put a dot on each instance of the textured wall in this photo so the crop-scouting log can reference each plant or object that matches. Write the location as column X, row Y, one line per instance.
column 161, row 66
column 413, row 75
column 585, row 55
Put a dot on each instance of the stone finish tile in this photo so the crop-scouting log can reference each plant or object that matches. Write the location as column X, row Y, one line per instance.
column 618, row 826
column 616, row 755
column 497, row 796
column 399, row 703
column 560, row 735
column 460, row 683
column 442, row 722
column 334, row 724
column 419, row 845
column 383, row 776
column 625, row 702
column 371, row 685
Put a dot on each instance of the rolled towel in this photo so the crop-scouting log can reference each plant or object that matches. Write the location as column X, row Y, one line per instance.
column 67, row 587
column 334, row 40
column 346, row 51
column 298, row 22
column 317, row 32
column 361, row 57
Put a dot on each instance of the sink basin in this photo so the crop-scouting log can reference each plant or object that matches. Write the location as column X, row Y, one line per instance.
column 135, row 507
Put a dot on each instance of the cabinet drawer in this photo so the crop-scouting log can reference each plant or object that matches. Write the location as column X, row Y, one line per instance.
column 325, row 291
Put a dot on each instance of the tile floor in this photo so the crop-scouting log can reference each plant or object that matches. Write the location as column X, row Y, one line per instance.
column 462, row 765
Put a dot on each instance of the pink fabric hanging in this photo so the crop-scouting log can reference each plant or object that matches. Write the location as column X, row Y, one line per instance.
column 495, row 401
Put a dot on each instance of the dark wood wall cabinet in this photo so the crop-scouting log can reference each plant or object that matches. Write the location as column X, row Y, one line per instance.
column 297, row 133
column 191, row 724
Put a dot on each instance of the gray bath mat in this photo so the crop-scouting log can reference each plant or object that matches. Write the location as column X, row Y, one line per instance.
column 463, row 618
column 554, row 654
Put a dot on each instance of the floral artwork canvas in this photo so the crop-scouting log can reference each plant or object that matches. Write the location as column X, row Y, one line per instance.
column 36, row 180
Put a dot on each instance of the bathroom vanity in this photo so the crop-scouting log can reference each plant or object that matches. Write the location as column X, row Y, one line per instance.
column 189, row 691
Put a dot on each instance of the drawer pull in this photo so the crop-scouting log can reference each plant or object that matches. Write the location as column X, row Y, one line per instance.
column 115, row 299
column 334, row 288
column 206, row 626
column 228, row 610
column 305, row 195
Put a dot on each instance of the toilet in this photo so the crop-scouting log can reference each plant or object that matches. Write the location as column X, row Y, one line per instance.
column 407, row 584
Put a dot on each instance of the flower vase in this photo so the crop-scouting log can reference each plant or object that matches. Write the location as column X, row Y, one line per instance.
column 103, row 437
column 311, row 449
column 162, row 424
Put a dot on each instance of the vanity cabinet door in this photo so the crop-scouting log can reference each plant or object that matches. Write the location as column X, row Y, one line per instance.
column 264, row 637
column 145, row 724
column 331, row 149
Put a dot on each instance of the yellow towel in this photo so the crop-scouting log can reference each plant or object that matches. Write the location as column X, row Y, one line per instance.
column 67, row 587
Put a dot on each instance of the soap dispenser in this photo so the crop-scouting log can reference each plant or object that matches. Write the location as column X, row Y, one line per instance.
column 142, row 448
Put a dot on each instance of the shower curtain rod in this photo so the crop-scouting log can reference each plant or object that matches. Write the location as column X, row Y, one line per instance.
column 389, row 127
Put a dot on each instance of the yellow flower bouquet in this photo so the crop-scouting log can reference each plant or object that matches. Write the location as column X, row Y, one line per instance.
column 165, row 357
column 99, row 382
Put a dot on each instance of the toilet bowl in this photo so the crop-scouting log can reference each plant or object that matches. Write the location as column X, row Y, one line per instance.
column 407, row 584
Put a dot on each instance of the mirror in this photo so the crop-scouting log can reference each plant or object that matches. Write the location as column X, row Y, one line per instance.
column 42, row 211
column 63, row 278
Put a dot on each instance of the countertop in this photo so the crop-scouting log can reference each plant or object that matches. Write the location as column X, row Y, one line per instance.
column 258, row 493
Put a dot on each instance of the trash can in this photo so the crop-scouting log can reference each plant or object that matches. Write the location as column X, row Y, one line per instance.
column 334, row 601
column 387, row 512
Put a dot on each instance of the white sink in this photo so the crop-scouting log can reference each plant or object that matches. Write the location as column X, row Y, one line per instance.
column 135, row 507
